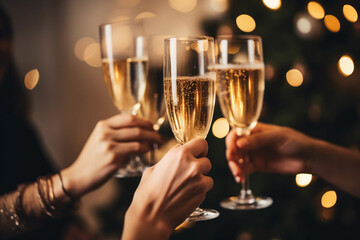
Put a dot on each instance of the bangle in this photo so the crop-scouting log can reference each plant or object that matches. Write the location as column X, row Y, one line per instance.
column 64, row 190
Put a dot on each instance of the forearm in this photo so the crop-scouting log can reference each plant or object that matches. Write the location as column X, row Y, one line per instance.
column 336, row 165
column 31, row 204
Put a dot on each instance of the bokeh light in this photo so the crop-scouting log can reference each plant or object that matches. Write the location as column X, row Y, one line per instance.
column 332, row 23
column 272, row 4
column 31, row 79
column 145, row 15
column 303, row 25
column 81, row 45
column 328, row 199
column 245, row 23
column 350, row 13
column 303, row 179
column 220, row 128
column 316, row 10
column 346, row 65
column 219, row 5
column 294, row 77
column 269, row 72
column 183, row 5
column 92, row 55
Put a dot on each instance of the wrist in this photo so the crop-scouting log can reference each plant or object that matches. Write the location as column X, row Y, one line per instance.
column 69, row 184
column 139, row 224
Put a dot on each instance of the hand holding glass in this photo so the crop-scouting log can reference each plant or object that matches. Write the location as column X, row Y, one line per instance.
column 189, row 90
column 240, row 88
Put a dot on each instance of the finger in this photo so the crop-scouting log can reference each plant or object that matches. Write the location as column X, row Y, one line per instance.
column 235, row 170
column 198, row 147
column 129, row 148
column 136, row 134
column 231, row 138
column 260, row 127
column 259, row 140
column 204, row 165
column 127, row 120
column 208, row 183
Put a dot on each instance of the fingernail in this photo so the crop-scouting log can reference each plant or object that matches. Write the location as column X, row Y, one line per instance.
column 237, row 179
column 242, row 142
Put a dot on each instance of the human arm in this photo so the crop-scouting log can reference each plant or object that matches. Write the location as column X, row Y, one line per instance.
column 285, row 150
column 111, row 142
column 168, row 192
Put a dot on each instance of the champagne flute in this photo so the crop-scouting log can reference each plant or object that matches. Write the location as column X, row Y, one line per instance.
column 240, row 88
column 152, row 105
column 125, row 67
column 189, row 89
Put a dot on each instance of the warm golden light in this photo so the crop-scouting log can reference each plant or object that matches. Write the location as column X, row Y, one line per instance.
column 145, row 15
column 332, row 23
column 316, row 10
column 303, row 25
column 303, row 179
column 219, row 5
column 294, row 77
column 183, row 5
column 328, row 200
column 92, row 55
column 245, row 23
column 81, row 45
column 272, row 4
column 31, row 79
column 350, row 13
column 346, row 65
column 220, row 128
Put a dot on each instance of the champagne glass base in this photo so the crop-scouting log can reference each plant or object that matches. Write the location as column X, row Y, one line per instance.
column 235, row 203
column 202, row 215
column 134, row 168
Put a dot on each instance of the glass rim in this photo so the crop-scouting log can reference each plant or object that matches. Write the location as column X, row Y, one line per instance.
column 121, row 22
column 240, row 37
column 190, row 38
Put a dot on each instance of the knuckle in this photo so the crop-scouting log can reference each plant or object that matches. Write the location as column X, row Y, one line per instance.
column 137, row 132
column 136, row 146
column 130, row 118
column 101, row 125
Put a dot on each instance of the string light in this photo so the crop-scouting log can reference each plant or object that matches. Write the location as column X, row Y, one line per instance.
column 183, row 5
column 220, row 128
column 92, row 55
column 245, row 23
column 219, row 5
column 332, row 23
column 303, row 179
column 316, row 10
column 350, row 13
column 346, row 65
column 294, row 77
column 303, row 24
column 81, row 45
column 272, row 4
column 328, row 199
column 31, row 79
column 145, row 15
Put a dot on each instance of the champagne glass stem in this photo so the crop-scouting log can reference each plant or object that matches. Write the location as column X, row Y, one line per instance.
column 245, row 196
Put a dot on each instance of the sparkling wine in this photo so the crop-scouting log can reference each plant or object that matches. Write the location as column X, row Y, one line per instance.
column 126, row 82
column 152, row 105
column 240, row 89
column 190, row 105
